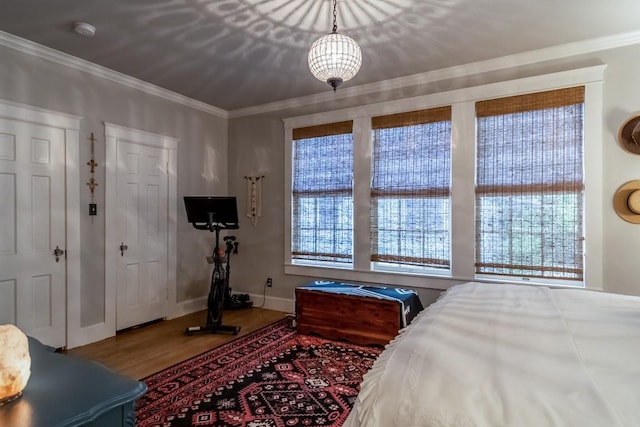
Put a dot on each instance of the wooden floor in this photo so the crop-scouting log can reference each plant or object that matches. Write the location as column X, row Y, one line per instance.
column 141, row 352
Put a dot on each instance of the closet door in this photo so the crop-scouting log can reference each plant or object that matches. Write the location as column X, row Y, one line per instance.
column 142, row 213
column 32, row 230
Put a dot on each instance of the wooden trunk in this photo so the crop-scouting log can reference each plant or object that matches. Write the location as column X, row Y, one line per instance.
column 360, row 320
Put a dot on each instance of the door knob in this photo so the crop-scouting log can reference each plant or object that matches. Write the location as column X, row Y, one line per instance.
column 57, row 252
column 123, row 248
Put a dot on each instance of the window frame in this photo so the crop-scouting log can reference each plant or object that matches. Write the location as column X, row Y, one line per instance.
column 309, row 135
column 525, row 107
column 462, row 102
column 406, row 124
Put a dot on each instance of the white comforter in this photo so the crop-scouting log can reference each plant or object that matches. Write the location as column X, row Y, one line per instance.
column 490, row 355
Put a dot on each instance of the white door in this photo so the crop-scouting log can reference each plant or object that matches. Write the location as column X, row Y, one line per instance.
column 32, row 226
column 142, row 212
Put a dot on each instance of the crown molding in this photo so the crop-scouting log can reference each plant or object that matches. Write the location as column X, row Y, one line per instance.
column 40, row 51
column 496, row 64
column 503, row 88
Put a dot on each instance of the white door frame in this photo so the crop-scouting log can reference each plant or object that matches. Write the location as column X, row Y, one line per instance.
column 70, row 124
column 114, row 133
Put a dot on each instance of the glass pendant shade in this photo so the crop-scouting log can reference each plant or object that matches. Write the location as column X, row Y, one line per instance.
column 334, row 58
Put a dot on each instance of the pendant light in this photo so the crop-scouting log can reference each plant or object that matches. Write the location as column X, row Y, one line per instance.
column 334, row 58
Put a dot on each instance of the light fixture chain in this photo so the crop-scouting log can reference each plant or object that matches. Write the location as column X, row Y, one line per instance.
column 335, row 16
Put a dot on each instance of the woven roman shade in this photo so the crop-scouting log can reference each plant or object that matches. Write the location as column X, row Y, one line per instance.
column 530, row 102
column 412, row 118
column 322, row 193
column 411, row 174
column 323, row 130
column 530, row 185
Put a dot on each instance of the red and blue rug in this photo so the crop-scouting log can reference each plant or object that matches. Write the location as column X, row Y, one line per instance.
column 272, row 377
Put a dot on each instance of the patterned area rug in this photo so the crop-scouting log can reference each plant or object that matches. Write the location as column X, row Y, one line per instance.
column 270, row 378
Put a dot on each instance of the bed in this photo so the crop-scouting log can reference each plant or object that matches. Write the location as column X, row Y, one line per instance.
column 489, row 355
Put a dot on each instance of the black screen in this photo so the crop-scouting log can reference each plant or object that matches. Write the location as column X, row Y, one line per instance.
column 219, row 210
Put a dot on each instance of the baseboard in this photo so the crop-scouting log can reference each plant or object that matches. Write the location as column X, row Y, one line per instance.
column 183, row 308
column 273, row 303
column 93, row 333
column 90, row 334
column 187, row 307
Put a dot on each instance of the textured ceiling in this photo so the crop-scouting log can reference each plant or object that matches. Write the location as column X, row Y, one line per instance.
column 233, row 54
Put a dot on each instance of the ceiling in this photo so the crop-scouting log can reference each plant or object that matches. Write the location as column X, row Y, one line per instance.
column 233, row 54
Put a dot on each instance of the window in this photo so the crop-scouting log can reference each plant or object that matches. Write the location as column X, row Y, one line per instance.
column 502, row 181
column 322, row 193
column 530, row 185
column 410, row 206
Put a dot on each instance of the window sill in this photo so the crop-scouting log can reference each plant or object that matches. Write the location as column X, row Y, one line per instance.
column 430, row 281
column 427, row 281
column 515, row 280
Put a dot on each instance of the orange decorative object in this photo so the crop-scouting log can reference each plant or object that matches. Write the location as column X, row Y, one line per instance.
column 15, row 363
column 626, row 201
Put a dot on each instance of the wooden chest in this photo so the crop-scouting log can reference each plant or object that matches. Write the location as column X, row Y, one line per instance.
column 358, row 319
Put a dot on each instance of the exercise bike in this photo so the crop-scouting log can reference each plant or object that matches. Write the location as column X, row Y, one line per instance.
column 215, row 214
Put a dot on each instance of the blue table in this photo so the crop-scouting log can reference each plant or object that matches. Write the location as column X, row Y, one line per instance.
column 65, row 390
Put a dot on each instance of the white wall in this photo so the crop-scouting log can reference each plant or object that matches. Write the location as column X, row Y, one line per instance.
column 621, row 242
column 215, row 154
column 202, row 159
column 256, row 143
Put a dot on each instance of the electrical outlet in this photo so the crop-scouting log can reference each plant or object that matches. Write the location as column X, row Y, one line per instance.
column 269, row 282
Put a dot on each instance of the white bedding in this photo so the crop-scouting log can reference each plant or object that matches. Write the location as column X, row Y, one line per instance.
column 490, row 355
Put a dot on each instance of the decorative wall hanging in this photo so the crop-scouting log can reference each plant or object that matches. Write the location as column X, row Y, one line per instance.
column 626, row 201
column 93, row 209
column 629, row 135
column 254, row 197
